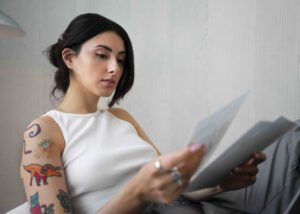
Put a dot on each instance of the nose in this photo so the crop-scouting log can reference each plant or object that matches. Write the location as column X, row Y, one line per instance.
column 113, row 66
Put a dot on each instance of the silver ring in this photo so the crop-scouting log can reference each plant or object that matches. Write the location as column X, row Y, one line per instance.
column 176, row 176
column 159, row 168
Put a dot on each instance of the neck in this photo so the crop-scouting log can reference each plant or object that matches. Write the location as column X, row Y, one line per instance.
column 78, row 101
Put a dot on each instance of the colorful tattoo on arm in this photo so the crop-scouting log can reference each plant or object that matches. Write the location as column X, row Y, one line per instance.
column 26, row 152
column 64, row 200
column 35, row 132
column 36, row 208
column 45, row 149
column 40, row 173
column 32, row 134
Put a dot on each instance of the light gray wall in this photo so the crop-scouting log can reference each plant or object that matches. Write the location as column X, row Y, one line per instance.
column 191, row 58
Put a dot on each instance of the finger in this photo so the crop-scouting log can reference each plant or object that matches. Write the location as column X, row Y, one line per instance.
column 244, row 178
column 171, row 160
column 247, row 163
column 255, row 159
column 253, row 170
column 197, row 154
column 170, row 190
column 184, row 170
column 190, row 165
column 170, row 176
column 163, row 181
column 259, row 157
column 172, row 193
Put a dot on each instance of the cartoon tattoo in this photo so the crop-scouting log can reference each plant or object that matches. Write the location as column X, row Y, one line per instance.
column 36, row 208
column 34, row 133
column 64, row 200
column 45, row 149
column 26, row 152
column 42, row 172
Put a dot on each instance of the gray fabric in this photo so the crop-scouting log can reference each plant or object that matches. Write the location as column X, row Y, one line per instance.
column 210, row 207
column 294, row 206
column 185, row 206
column 278, row 179
column 201, row 208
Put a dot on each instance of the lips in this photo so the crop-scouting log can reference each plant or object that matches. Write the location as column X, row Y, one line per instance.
column 108, row 82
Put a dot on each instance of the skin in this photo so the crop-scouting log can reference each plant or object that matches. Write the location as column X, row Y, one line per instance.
column 45, row 149
column 25, row 152
column 47, row 193
column 99, row 59
column 93, row 64
column 34, row 129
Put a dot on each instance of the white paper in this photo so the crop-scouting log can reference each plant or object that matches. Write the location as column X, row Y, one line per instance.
column 212, row 129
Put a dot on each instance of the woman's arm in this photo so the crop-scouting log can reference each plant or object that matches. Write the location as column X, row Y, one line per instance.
column 42, row 170
column 149, row 185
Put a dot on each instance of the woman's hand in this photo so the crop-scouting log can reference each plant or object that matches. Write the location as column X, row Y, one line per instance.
column 154, row 184
column 244, row 175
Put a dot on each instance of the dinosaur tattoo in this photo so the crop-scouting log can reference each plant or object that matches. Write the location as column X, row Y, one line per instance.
column 42, row 172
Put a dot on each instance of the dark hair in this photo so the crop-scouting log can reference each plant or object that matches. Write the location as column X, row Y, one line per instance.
column 81, row 29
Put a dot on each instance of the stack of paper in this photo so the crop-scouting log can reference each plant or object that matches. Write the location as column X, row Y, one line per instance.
column 215, row 167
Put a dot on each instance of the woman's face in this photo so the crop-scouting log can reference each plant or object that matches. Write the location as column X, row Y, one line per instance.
column 98, row 67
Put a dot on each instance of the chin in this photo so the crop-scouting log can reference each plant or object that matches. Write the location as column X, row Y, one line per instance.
column 104, row 94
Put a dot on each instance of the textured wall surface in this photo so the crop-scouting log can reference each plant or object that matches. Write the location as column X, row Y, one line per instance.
column 191, row 58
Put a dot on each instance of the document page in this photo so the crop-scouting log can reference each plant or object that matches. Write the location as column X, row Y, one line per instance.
column 261, row 135
column 211, row 130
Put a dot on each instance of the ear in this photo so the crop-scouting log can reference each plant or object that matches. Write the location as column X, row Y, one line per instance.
column 67, row 56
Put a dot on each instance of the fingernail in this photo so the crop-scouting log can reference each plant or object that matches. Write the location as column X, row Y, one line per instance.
column 196, row 147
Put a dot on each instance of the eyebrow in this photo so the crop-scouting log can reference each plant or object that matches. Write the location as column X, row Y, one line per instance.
column 109, row 49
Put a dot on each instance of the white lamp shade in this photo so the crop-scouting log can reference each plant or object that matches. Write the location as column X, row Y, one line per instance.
column 9, row 28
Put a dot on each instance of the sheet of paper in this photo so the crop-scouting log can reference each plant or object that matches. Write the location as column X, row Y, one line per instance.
column 211, row 129
column 256, row 139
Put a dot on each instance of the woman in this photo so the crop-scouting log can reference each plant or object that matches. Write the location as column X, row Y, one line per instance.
column 83, row 160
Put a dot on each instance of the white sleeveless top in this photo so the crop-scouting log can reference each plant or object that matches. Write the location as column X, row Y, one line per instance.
column 102, row 152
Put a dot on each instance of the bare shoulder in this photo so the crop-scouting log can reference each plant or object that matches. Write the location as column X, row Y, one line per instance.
column 125, row 115
column 43, row 127
column 43, row 142
column 122, row 114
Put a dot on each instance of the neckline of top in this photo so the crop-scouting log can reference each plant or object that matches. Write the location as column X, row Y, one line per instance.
column 79, row 114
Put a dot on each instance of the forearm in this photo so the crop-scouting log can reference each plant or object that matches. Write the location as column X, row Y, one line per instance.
column 204, row 193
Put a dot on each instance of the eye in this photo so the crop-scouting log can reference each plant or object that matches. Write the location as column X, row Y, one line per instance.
column 121, row 61
column 101, row 56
